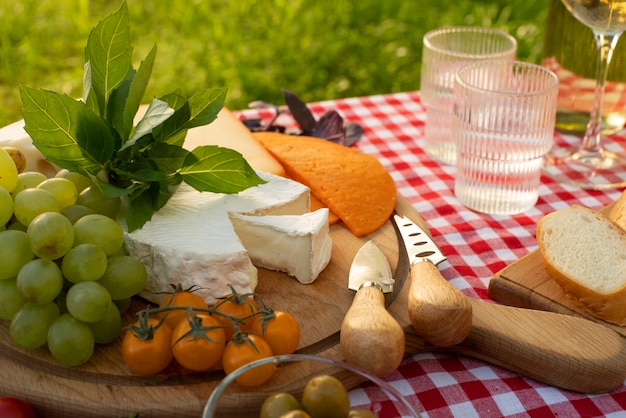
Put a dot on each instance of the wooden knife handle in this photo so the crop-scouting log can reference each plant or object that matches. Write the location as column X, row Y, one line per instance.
column 564, row 351
column 439, row 312
column 370, row 337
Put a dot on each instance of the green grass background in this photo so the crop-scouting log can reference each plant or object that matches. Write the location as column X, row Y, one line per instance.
column 319, row 49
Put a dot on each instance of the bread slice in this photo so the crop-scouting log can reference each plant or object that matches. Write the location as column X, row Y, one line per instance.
column 618, row 211
column 585, row 253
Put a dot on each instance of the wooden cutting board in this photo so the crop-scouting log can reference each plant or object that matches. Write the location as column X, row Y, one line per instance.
column 105, row 387
column 526, row 284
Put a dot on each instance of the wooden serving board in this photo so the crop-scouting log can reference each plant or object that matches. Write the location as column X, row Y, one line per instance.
column 526, row 284
column 105, row 387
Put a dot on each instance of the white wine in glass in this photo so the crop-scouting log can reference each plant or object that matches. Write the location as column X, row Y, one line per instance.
column 591, row 165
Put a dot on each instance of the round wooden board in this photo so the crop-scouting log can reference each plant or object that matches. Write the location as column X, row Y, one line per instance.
column 105, row 387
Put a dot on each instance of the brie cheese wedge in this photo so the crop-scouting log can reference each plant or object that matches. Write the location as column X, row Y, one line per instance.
column 191, row 240
column 296, row 244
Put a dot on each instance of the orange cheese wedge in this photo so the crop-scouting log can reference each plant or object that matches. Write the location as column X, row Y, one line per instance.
column 353, row 185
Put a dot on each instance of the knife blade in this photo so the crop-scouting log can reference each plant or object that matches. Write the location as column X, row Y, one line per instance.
column 370, row 337
column 439, row 312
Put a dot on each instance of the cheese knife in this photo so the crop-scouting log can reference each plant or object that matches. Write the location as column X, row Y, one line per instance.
column 569, row 352
column 370, row 337
column 439, row 312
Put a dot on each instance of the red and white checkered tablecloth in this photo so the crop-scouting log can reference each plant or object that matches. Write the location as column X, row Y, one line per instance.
column 477, row 246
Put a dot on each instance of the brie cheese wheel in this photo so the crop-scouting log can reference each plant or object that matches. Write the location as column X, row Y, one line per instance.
column 191, row 240
column 296, row 244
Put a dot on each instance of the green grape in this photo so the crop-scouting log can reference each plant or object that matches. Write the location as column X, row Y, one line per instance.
column 10, row 298
column 6, row 206
column 85, row 262
column 75, row 212
column 122, row 304
column 40, row 281
column 99, row 230
column 88, row 301
column 8, row 171
column 81, row 182
column 125, row 276
column 63, row 190
column 51, row 235
column 30, row 203
column 28, row 180
column 29, row 326
column 107, row 329
column 15, row 251
column 70, row 341
column 93, row 198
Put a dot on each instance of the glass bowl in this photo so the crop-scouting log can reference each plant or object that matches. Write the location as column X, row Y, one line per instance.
column 292, row 372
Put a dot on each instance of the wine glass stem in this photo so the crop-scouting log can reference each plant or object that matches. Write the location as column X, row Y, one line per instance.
column 592, row 141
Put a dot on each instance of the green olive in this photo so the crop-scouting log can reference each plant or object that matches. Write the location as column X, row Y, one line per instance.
column 325, row 397
column 296, row 413
column 277, row 404
column 361, row 413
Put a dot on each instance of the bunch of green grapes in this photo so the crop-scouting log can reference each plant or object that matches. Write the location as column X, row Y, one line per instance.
column 64, row 277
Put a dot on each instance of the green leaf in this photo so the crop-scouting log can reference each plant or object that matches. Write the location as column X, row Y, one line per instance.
column 158, row 112
column 140, row 210
column 168, row 158
column 113, row 192
column 139, row 170
column 117, row 104
column 220, row 170
column 109, row 53
column 165, row 190
column 175, row 124
column 205, row 105
column 174, row 99
column 66, row 131
column 136, row 93
column 89, row 99
column 201, row 109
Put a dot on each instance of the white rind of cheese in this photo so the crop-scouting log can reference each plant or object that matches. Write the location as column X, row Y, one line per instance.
column 298, row 245
column 191, row 240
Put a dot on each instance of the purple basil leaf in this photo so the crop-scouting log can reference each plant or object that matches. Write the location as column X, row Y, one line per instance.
column 353, row 133
column 330, row 127
column 253, row 123
column 300, row 112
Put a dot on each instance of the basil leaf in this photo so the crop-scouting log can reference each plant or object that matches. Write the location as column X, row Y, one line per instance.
column 168, row 158
column 113, row 192
column 66, row 131
column 300, row 112
column 89, row 99
column 136, row 91
column 164, row 191
column 174, row 99
column 140, row 210
column 201, row 109
column 219, row 170
column 109, row 54
column 174, row 124
column 158, row 112
column 117, row 103
column 205, row 105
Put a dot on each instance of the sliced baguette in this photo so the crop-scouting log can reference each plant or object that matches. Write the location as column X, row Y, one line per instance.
column 585, row 253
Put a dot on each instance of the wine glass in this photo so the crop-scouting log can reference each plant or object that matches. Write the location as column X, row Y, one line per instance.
column 591, row 166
